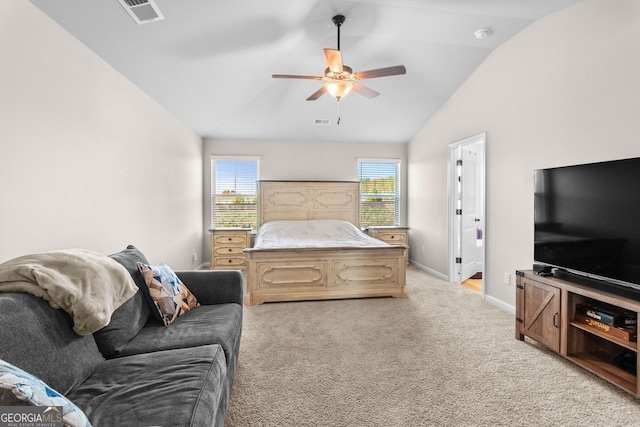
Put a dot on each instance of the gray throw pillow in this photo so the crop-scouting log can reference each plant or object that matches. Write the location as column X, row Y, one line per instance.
column 131, row 316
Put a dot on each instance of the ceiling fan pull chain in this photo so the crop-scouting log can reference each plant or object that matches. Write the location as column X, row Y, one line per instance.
column 338, row 122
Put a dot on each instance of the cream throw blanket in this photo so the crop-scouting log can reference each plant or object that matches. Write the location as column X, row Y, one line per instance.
column 86, row 284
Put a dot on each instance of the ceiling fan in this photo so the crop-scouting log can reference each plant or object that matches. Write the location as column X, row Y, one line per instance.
column 340, row 79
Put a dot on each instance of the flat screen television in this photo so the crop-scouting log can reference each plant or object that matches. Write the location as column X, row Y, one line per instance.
column 587, row 224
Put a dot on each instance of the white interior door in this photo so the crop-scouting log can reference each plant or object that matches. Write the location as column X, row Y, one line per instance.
column 470, row 216
column 467, row 198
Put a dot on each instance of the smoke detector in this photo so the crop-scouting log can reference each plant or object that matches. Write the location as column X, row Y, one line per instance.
column 142, row 11
column 483, row 33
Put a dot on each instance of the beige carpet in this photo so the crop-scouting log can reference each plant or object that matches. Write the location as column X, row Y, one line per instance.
column 442, row 357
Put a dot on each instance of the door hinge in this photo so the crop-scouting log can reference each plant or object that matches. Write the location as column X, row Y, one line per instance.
column 519, row 320
column 459, row 162
column 520, row 286
column 458, row 260
column 458, row 211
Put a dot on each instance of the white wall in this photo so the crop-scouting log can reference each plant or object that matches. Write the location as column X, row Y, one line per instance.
column 566, row 90
column 86, row 159
column 290, row 160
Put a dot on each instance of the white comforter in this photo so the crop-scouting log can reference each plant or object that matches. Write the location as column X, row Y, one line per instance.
column 319, row 233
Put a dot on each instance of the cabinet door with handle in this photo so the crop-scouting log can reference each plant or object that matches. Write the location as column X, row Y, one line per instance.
column 540, row 317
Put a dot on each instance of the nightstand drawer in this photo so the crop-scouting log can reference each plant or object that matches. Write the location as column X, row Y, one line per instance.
column 393, row 237
column 229, row 262
column 228, row 251
column 230, row 239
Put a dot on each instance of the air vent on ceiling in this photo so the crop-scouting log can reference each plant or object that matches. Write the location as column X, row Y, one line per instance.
column 142, row 11
column 321, row 122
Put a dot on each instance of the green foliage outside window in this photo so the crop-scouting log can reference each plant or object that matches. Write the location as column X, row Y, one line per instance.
column 236, row 211
column 379, row 203
column 378, row 186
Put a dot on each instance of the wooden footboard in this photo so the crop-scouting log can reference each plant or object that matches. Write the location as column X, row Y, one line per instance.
column 321, row 273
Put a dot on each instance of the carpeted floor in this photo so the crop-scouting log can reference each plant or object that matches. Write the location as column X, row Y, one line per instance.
column 442, row 357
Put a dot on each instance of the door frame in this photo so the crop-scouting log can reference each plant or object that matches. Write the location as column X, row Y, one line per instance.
column 454, row 234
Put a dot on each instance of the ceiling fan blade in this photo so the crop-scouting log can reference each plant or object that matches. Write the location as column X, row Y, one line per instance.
column 365, row 91
column 317, row 94
column 295, row 76
column 381, row 72
column 334, row 60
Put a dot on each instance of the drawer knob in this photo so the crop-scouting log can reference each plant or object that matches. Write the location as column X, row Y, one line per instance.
column 229, row 238
column 393, row 237
column 230, row 261
column 230, row 250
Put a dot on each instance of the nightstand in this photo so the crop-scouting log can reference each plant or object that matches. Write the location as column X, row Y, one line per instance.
column 392, row 234
column 227, row 247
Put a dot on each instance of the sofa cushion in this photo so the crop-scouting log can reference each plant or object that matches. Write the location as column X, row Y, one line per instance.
column 208, row 324
column 125, row 324
column 130, row 317
column 181, row 387
column 170, row 298
column 40, row 340
column 20, row 388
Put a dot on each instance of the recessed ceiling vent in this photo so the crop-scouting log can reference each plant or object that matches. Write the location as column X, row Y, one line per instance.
column 142, row 11
column 324, row 122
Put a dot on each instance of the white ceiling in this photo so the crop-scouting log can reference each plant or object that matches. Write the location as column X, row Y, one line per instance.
column 209, row 62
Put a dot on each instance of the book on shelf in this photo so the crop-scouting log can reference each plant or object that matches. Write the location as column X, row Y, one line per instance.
column 607, row 314
column 627, row 333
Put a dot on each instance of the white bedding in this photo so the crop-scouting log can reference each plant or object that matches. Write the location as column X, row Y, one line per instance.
column 319, row 233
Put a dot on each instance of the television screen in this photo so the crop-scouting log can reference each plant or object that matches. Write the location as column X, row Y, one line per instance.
column 587, row 220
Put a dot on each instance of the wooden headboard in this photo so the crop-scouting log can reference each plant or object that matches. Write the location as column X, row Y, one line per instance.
column 303, row 200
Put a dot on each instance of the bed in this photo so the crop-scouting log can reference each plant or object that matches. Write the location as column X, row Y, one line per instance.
column 288, row 269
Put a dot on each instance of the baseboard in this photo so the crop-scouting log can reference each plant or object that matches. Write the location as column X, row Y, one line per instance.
column 429, row 270
column 500, row 304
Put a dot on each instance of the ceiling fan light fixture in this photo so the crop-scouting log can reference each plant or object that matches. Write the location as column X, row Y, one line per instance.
column 339, row 78
column 339, row 88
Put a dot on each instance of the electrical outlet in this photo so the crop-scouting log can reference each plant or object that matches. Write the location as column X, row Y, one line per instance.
column 507, row 279
column 194, row 256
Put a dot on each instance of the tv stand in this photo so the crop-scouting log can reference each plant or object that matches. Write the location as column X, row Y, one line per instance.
column 546, row 313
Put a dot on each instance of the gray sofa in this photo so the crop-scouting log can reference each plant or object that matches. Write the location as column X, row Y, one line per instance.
column 135, row 371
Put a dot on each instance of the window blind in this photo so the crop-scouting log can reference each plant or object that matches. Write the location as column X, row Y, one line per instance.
column 380, row 192
column 234, row 193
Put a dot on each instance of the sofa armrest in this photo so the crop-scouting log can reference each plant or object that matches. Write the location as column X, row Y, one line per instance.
column 214, row 286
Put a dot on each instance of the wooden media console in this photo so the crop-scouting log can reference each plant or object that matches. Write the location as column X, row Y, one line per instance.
column 546, row 313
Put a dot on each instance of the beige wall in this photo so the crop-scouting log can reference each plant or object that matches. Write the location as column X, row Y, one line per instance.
column 566, row 90
column 322, row 161
column 86, row 159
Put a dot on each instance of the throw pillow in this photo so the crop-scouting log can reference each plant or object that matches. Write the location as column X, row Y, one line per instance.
column 20, row 388
column 171, row 298
column 131, row 316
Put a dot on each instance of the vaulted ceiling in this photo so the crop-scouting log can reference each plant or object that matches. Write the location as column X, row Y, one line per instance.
column 209, row 62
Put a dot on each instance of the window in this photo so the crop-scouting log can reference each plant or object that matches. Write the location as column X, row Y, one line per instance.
column 234, row 191
column 379, row 192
